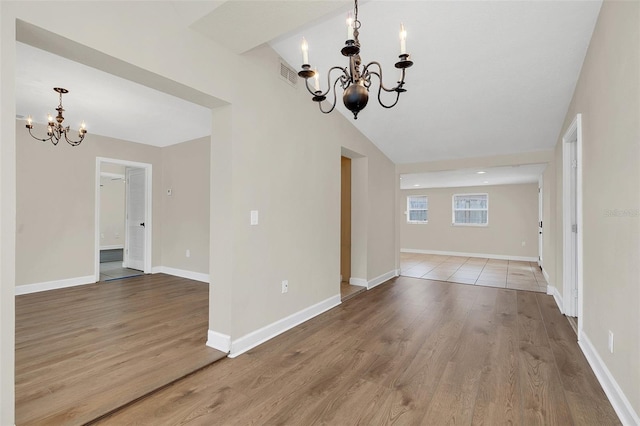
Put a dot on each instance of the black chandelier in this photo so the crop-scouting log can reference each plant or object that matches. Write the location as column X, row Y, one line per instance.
column 355, row 81
column 55, row 129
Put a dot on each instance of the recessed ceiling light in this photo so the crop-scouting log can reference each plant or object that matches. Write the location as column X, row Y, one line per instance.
column 481, row 172
column 486, row 181
column 417, row 184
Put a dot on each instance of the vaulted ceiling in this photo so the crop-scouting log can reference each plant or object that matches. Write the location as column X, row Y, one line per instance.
column 489, row 77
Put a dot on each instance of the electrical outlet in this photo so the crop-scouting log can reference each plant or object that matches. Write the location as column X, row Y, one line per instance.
column 254, row 217
column 285, row 286
column 610, row 341
column 188, row 253
column 524, row 243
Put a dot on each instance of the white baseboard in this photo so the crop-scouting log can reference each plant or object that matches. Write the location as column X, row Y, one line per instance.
column 219, row 341
column 53, row 285
column 362, row 282
column 546, row 276
column 382, row 278
column 618, row 399
column 255, row 338
column 115, row 247
column 483, row 255
column 196, row 276
column 553, row 291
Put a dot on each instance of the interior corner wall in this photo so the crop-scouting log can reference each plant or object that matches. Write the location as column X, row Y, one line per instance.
column 513, row 218
column 558, row 236
column 185, row 213
column 608, row 97
column 55, row 235
column 549, row 224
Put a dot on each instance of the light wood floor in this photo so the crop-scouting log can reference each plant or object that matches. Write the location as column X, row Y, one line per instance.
column 81, row 352
column 410, row 351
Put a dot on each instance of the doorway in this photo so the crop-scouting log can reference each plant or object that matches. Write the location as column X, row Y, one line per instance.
column 347, row 288
column 572, row 220
column 123, row 219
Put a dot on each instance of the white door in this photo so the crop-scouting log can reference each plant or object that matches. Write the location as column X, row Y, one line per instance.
column 135, row 219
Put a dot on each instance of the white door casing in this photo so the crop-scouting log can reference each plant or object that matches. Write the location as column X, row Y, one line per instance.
column 540, row 224
column 135, row 219
column 572, row 220
column 147, row 215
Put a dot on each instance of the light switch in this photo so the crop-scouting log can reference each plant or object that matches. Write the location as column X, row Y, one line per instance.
column 254, row 217
column 169, row 192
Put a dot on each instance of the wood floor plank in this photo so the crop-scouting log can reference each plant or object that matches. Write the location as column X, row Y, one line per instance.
column 543, row 398
column 461, row 378
column 587, row 400
column 531, row 328
column 458, row 354
column 499, row 396
column 84, row 351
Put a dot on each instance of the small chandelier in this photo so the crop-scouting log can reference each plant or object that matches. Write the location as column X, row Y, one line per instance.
column 355, row 81
column 55, row 129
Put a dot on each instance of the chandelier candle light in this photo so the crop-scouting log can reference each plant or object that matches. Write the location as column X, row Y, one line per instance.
column 354, row 80
column 55, row 129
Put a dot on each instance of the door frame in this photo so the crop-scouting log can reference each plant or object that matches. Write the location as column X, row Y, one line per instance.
column 572, row 306
column 540, row 219
column 148, row 234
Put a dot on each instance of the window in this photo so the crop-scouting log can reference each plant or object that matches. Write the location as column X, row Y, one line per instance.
column 417, row 208
column 471, row 209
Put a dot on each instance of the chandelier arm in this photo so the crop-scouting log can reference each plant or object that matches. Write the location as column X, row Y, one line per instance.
column 380, row 99
column 72, row 142
column 313, row 92
column 37, row 138
column 335, row 97
column 381, row 87
column 366, row 72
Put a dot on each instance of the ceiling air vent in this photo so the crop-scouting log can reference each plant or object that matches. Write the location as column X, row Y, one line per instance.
column 288, row 74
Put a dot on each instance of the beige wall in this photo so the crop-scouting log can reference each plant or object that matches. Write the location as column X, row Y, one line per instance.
column 549, row 223
column 513, row 217
column 112, row 213
column 185, row 214
column 55, row 236
column 281, row 156
column 56, row 205
column 272, row 151
column 608, row 97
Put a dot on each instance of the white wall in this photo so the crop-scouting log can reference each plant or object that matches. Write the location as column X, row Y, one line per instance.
column 513, row 218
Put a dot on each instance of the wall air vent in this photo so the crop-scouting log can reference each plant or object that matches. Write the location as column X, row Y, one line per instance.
column 288, row 74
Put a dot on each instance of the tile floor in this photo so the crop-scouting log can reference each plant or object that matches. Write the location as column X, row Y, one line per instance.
column 114, row 271
column 512, row 274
